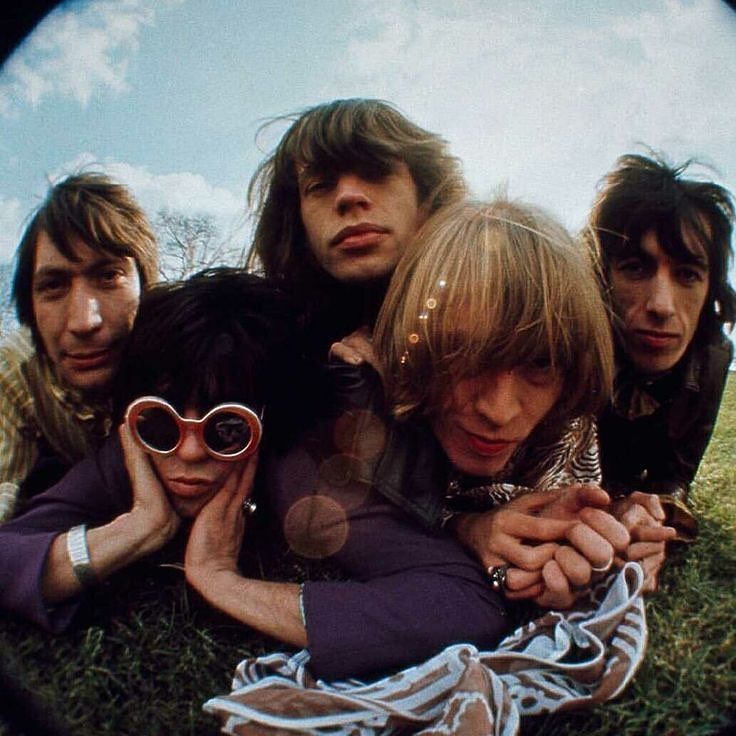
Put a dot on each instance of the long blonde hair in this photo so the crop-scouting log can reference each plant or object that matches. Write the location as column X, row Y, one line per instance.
column 493, row 285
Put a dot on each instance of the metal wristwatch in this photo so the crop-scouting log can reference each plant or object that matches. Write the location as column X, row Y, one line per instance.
column 76, row 546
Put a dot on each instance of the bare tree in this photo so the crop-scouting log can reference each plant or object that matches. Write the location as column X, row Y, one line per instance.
column 189, row 243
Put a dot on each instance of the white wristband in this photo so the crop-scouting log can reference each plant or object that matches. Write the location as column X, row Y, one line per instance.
column 76, row 547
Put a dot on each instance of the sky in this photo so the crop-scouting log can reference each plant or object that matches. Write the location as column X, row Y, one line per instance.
column 536, row 99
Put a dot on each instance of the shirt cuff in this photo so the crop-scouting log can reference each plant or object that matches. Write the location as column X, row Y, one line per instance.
column 8, row 498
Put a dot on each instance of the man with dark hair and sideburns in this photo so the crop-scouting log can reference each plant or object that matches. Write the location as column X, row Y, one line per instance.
column 664, row 244
column 85, row 257
column 337, row 201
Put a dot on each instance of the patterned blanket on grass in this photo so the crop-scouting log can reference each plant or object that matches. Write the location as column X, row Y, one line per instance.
column 561, row 661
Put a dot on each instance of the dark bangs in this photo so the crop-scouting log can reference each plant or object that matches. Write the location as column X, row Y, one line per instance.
column 221, row 336
column 215, row 370
column 670, row 227
column 345, row 137
column 92, row 218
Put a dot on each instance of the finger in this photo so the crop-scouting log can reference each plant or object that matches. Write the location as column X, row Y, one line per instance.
column 247, row 477
column 525, row 556
column 140, row 471
column 595, row 548
column 612, row 530
column 652, row 565
column 636, row 515
column 239, row 483
column 345, row 353
column 518, row 579
column 557, row 592
column 533, row 591
column 132, row 452
column 574, row 566
column 653, row 533
column 536, row 528
column 589, row 494
column 651, row 502
column 532, row 502
column 216, row 510
column 640, row 550
column 520, row 584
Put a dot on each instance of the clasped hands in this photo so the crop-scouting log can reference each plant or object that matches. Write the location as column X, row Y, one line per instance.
column 554, row 541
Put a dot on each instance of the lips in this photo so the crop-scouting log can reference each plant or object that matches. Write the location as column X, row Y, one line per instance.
column 86, row 360
column 188, row 487
column 656, row 339
column 488, row 447
column 363, row 235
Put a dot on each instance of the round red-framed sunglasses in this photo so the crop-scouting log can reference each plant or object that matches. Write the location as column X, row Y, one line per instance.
column 227, row 432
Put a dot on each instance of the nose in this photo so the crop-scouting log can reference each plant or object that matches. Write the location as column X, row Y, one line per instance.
column 497, row 397
column 351, row 192
column 661, row 298
column 84, row 314
column 191, row 449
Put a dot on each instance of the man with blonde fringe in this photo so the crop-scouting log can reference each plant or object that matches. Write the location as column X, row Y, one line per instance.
column 346, row 188
column 82, row 262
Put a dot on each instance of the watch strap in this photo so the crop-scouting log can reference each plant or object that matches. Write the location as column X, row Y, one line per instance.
column 76, row 546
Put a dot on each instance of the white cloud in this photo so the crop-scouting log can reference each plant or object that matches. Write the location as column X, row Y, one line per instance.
column 11, row 224
column 180, row 191
column 77, row 50
column 545, row 97
column 183, row 191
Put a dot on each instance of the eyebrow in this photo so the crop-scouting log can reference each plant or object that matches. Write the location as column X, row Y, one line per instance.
column 61, row 270
column 695, row 259
column 692, row 259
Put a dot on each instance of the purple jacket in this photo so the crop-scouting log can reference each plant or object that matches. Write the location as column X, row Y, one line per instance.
column 411, row 592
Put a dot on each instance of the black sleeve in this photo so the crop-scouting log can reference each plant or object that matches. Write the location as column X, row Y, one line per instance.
column 691, row 422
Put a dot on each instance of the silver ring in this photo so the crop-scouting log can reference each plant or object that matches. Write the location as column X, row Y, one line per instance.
column 497, row 574
column 249, row 507
column 604, row 568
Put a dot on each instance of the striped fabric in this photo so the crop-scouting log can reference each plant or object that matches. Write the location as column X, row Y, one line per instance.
column 561, row 661
column 571, row 459
column 32, row 405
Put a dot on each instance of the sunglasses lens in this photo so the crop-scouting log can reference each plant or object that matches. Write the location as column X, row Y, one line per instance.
column 227, row 433
column 158, row 429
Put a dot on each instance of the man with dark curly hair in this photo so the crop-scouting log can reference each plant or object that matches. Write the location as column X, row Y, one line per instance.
column 664, row 244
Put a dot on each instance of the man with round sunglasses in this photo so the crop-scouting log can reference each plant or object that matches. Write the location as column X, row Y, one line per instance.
column 205, row 357
column 227, row 431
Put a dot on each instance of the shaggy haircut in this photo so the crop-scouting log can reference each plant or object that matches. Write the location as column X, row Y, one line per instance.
column 99, row 211
column 642, row 194
column 222, row 335
column 365, row 136
column 493, row 285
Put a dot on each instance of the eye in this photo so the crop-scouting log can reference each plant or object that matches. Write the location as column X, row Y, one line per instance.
column 633, row 268
column 108, row 277
column 317, row 185
column 51, row 287
column 539, row 372
column 690, row 276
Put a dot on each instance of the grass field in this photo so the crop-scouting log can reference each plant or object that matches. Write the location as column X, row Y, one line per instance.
column 149, row 653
